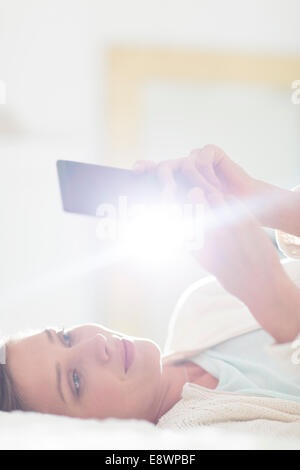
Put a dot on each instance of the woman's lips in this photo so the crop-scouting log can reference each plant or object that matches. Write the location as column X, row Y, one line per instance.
column 129, row 353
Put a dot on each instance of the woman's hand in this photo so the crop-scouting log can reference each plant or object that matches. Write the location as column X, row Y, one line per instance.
column 209, row 168
column 241, row 256
column 236, row 249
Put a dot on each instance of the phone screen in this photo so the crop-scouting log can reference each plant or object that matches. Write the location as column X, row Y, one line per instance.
column 85, row 186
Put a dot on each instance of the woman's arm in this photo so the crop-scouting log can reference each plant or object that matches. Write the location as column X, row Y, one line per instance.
column 277, row 309
column 241, row 256
column 274, row 207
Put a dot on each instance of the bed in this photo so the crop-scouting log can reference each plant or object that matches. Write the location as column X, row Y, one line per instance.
column 28, row 430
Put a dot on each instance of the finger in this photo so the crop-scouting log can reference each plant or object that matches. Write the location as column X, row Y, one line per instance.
column 209, row 174
column 140, row 166
column 206, row 159
column 192, row 174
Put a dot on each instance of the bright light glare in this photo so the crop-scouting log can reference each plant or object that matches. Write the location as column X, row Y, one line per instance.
column 157, row 234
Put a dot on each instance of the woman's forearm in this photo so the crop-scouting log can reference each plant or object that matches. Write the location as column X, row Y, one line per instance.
column 275, row 207
column 277, row 308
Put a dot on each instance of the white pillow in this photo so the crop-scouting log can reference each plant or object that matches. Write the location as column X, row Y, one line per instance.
column 29, row 430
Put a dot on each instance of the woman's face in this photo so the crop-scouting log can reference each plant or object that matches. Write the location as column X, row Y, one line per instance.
column 83, row 372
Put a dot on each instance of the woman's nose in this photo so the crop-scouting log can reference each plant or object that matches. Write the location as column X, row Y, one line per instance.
column 95, row 347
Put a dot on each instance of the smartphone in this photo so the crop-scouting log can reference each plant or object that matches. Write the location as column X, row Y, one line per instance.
column 84, row 187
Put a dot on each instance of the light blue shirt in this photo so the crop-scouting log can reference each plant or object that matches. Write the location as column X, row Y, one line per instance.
column 242, row 365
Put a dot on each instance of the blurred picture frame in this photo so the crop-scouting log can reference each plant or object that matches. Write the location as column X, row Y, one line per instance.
column 131, row 69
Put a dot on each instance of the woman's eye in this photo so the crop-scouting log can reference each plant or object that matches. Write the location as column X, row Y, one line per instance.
column 76, row 381
column 66, row 338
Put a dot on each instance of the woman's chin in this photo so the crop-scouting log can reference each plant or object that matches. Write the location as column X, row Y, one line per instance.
column 149, row 352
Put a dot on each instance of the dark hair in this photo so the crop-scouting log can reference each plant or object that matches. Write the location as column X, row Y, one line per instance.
column 9, row 397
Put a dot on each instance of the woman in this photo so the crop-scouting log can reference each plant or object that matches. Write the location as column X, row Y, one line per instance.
column 92, row 372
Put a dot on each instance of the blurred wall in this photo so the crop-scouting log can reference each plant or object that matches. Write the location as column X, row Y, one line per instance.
column 53, row 52
column 53, row 59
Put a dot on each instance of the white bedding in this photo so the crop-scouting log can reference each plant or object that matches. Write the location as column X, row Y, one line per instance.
column 20, row 430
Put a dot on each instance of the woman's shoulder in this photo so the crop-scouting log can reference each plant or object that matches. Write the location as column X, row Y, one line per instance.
column 205, row 315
